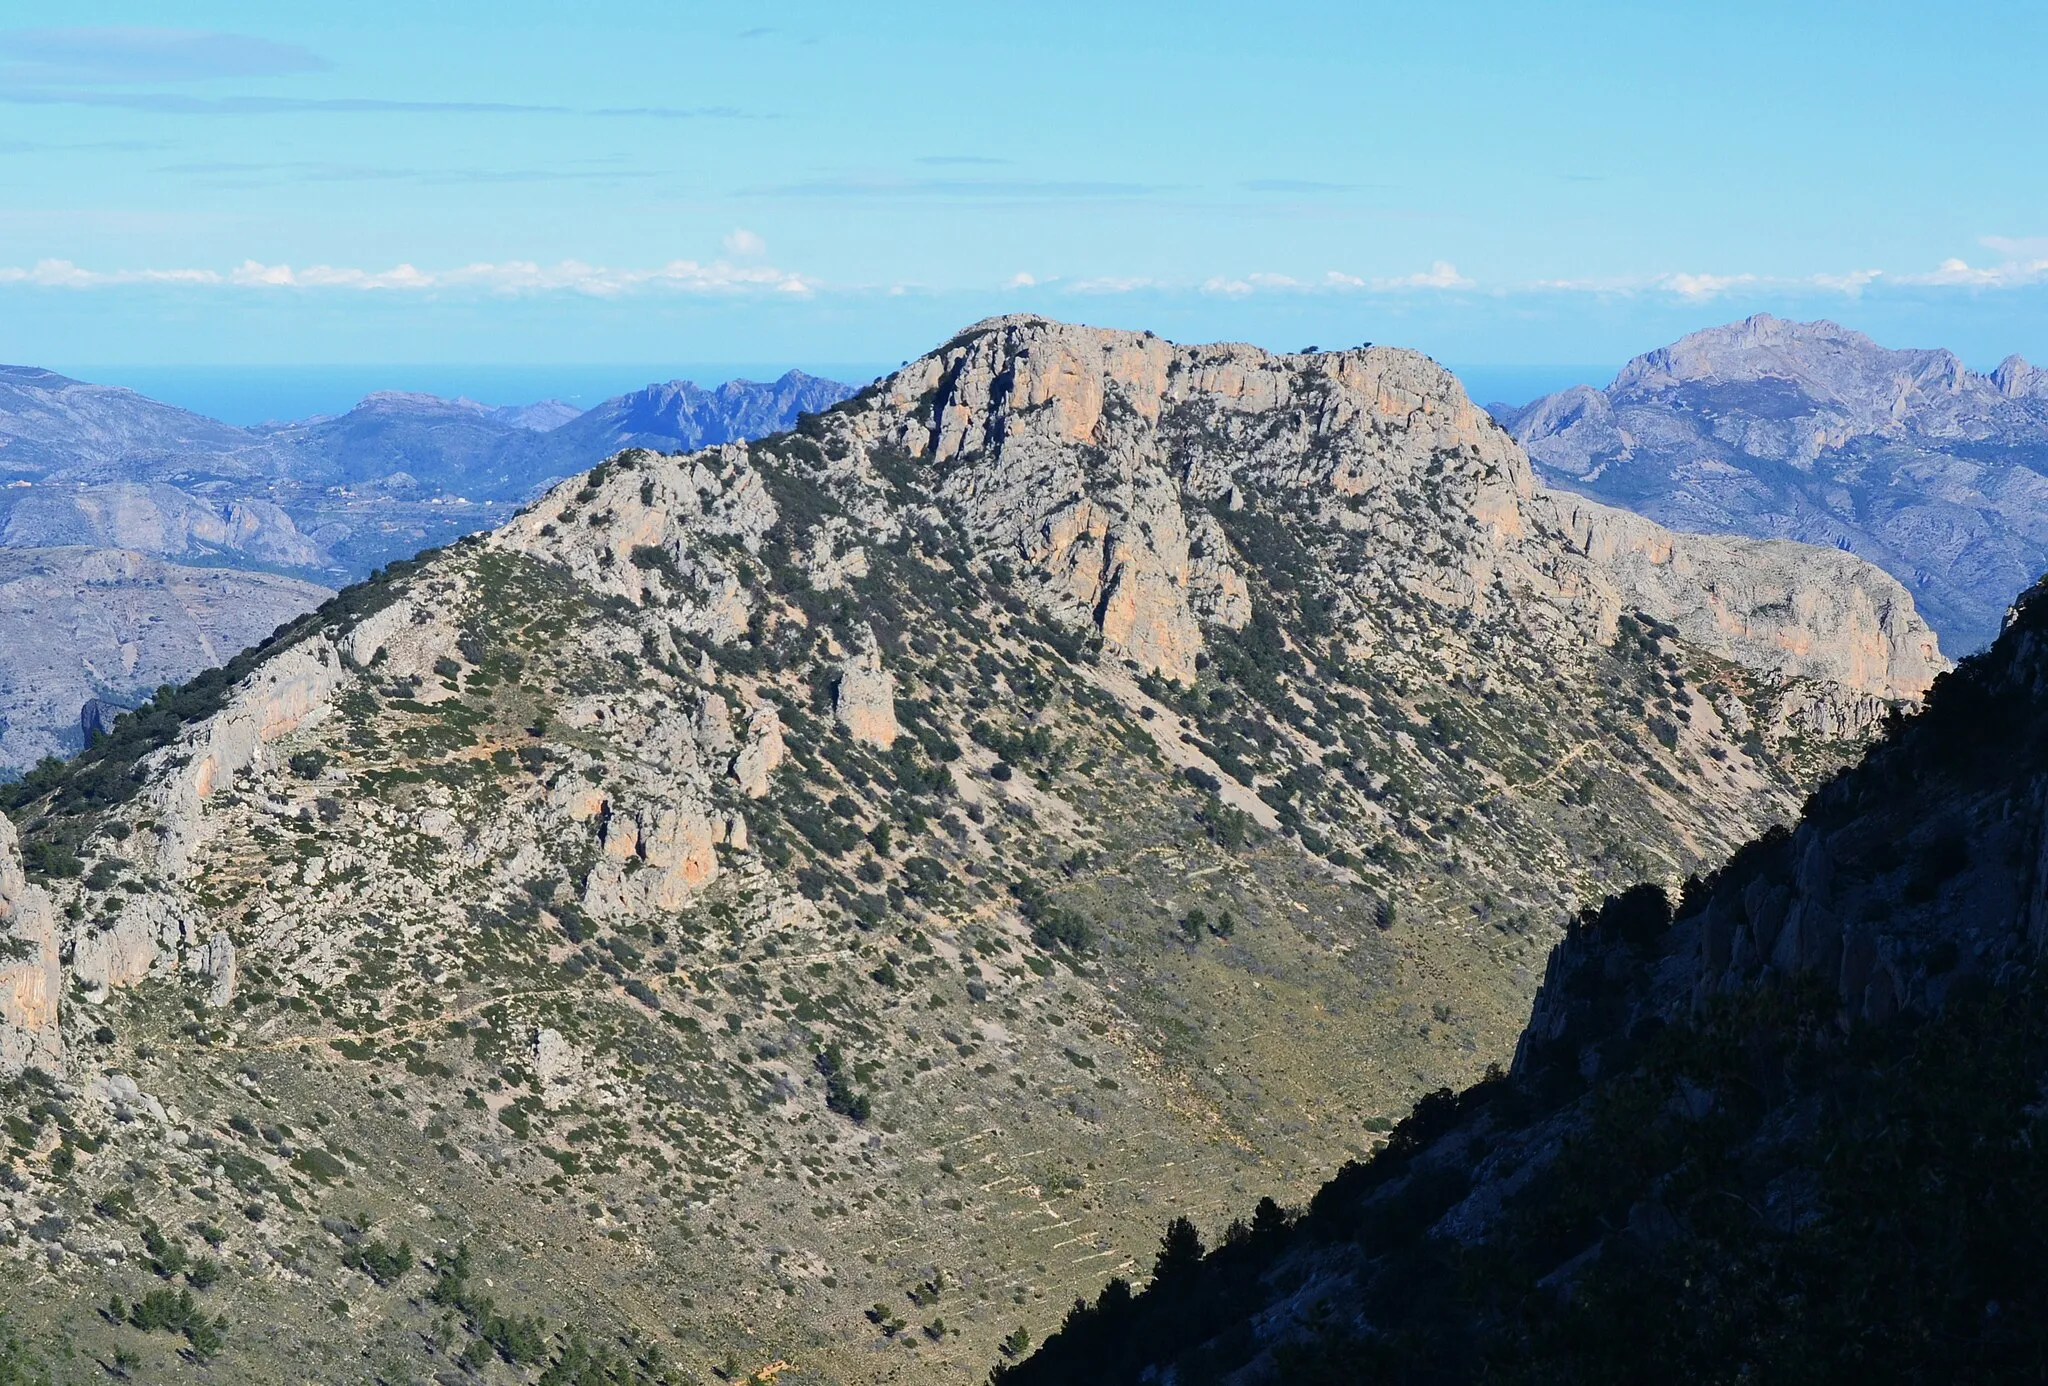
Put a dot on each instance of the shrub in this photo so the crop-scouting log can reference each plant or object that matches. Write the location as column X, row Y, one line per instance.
column 840, row 1096
column 179, row 1313
column 379, row 1260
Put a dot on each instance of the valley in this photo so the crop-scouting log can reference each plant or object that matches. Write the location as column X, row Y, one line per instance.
column 815, row 907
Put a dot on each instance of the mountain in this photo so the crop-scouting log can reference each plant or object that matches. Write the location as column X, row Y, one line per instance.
column 678, row 412
column 325, row 500
column 825, row 901
column 83, row 623
column 53, row 426
column 156, row 518
column 1810, row 431
column 1790, row 1130
column 458, row 447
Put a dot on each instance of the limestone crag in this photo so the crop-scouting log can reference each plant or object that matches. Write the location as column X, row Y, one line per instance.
column 762, row 755
column 78, row 624
column 1089, row 455
column 864, row 700
column 31, row 981
column 1803, row 612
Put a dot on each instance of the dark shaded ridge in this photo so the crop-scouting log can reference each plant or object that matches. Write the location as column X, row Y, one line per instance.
column 1775, row 1185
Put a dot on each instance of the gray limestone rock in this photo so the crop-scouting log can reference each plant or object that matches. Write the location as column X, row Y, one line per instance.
column 1808, row 431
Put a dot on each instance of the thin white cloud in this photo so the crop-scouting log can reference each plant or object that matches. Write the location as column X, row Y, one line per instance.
column 1852, row 283
column 2009, row 274
column 511, row 277
column 116, row 56
column 62, row 274
column 1441, row 274
column 1114, row 284
column 1250, row 284
column 1699, row 287
column 740, row 241
column 1022, row 280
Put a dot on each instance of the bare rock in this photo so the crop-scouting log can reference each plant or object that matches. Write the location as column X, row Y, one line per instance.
column 865, row 702
column 714, row 725
column 31, row 980
column 215, row 962
column 762, row 754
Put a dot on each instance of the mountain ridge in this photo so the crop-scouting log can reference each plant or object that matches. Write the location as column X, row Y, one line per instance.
column 320, row 500
column 855, row 879
column 1814, row 432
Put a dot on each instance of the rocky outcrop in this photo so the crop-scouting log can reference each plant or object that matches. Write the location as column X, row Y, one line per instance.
column 762, row 755
column 654, row 859
column 274, row 701
column 864, row 699
column 31, row 981
column 1791, row 609
column 1808, row 431
column 1109, row 463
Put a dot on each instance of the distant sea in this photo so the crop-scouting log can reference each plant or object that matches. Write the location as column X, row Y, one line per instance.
column 258, row 394
column 1520, row 385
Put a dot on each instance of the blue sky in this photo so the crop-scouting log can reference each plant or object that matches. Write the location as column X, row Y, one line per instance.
column 376, row 182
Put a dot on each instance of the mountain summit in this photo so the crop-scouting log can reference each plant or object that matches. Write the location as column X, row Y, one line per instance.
column 820, row 900
column 1813, row 432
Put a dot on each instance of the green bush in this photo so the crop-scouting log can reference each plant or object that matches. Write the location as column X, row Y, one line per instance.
column 840, row 1096
column 381, row 1261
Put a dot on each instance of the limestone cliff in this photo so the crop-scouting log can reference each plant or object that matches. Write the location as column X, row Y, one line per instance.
column 31, row 982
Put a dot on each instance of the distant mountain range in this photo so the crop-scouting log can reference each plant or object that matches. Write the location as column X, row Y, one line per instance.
column 1813, row 432
column 101, row 478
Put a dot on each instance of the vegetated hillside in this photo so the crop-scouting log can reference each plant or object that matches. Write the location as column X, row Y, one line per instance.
column 1793, row 1134
column 1810, row 431
column 826, row 901
column 90, row 467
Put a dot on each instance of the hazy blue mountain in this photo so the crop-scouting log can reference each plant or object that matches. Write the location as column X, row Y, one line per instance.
column 331, row 496
column 1810, row 431
column 52, row 425
column 459, row 447
column 678, row 412
column 146, row 503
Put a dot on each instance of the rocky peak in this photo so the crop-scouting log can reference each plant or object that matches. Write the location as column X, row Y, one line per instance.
column 1813, row 432
column 2016, row 378
column 1827, row 362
